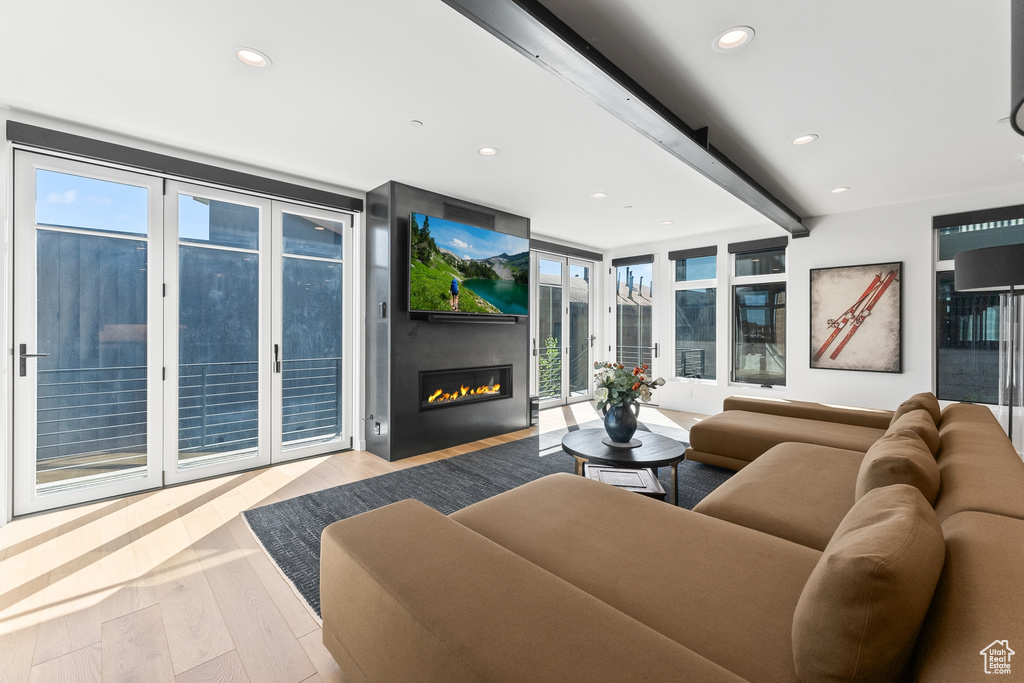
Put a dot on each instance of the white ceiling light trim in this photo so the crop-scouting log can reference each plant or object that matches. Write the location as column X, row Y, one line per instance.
column 732, row 38
column 838, row 190
column 599, row 195
column 252, row 57
column 804, row 139
column 488, row 151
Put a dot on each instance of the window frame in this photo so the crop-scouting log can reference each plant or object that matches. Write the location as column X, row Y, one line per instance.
column 1005, row 214
column 688, row 285
column 745, row 281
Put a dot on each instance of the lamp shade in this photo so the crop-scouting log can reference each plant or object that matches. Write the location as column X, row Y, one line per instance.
column 990, row 267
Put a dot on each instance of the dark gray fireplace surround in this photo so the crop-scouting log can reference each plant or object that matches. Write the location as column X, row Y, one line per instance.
column 400, row 345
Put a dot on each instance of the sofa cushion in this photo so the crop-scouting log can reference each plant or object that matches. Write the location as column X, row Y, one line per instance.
column 923, row 401
column 826, row 412
column 863, row 605
column 979, row 467
column 409, row 595
column 745, row 435
column 719, row 589
column 796, row 491
column 919, row 421
column 899, row 458
column 978, row 599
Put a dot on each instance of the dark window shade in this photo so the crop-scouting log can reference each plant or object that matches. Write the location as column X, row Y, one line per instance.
column 632, row 260
column 692, row 253
column 759, row 245
column 88, row 148
column 953, row 220
column 555, row 248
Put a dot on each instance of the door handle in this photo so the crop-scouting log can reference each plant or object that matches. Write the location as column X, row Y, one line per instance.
column 23, row 354
column 277, row 359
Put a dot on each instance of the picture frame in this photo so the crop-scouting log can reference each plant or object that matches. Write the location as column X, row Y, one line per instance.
column 856, row 317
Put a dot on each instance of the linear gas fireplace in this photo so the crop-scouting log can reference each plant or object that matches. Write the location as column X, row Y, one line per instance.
column 443, row 388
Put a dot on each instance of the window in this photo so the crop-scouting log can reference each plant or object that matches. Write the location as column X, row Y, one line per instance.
column 759, row 312
column 695, row 290
column 967, row 323
column 765, row 262
column 968, row 343
column 759, row 337
column 634, row 298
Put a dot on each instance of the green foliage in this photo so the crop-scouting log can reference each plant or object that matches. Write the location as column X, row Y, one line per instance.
column 617, row 386
column 431, row 289
column 477, row 270
column 550, row 365
column 422, row 245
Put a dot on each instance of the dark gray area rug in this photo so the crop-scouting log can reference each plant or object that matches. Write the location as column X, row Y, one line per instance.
column 290, row 530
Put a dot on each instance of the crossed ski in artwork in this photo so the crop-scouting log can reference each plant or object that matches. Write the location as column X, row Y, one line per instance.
column 856, row 314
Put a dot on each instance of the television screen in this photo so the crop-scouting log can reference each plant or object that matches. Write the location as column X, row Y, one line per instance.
column 456, row 268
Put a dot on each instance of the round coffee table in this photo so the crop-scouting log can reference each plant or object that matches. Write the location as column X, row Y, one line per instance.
column 654, row 451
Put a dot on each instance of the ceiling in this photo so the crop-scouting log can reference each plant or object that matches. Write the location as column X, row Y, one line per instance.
column 905, row 97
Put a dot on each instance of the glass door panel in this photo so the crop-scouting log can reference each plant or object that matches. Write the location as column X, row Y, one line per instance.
column 634, row 310
column 309, row 367
column 219, row 313
column 581, row 368
column 563, row 329
column 549, row 328
column 87, row 333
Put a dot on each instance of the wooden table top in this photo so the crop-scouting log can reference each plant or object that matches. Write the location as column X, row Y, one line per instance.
column 655, row 450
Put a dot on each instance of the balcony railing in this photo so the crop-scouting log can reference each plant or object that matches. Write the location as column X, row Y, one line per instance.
column 690, row 363
column 94, row 421
column 90, row 422
column 633, row 356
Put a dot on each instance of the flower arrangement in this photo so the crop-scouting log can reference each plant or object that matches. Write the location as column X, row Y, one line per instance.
column 617, row 386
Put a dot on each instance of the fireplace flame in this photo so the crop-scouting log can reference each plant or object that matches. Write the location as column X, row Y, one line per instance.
column 441, row 396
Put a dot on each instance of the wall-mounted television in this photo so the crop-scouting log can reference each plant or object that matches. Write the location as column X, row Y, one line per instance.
column 457, row 268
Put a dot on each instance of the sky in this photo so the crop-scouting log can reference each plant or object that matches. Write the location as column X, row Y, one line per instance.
column 472, row 243
column 68, row 200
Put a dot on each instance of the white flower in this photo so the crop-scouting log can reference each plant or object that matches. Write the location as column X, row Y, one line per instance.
column 601, row 394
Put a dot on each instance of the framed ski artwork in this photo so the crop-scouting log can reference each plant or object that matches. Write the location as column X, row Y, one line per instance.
column 856, row 317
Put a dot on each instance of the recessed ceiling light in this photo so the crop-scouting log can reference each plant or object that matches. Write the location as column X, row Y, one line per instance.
column 599, row 195
column 252, row 57
column 837, row 190
column 666, row 222
column 319, row 227
column 416, row 123
column 488, row 151
column 732, row 38
column 627, row 207
column 804, row 139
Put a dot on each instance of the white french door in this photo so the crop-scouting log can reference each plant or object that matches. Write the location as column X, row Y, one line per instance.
column 218, row 315
column 167, row 331
column 87, row 340
column 312, row 336
column 563, row 328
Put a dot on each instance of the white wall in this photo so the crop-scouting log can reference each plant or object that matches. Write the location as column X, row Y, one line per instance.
column 900, row 232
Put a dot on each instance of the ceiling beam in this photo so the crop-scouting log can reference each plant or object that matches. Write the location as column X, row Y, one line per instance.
column 534, row 31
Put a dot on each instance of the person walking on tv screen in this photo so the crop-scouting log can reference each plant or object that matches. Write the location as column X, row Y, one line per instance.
column 455, row 294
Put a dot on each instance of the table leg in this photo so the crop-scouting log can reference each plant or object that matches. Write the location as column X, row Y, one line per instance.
column 673, row 495
column 579, row 464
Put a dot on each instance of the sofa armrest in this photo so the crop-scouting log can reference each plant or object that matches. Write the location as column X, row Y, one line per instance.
column 409, row 594
column 851, row 415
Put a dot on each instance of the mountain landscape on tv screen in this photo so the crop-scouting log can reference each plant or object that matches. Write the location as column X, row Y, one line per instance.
column 490, row 280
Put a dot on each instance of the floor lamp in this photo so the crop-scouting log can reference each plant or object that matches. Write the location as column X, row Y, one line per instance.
column 999, row 268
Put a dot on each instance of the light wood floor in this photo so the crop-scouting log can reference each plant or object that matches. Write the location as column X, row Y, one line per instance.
column 171, row 586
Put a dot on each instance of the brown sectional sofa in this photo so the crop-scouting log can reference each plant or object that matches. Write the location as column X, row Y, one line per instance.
column 812, row 563
column 749, row 426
